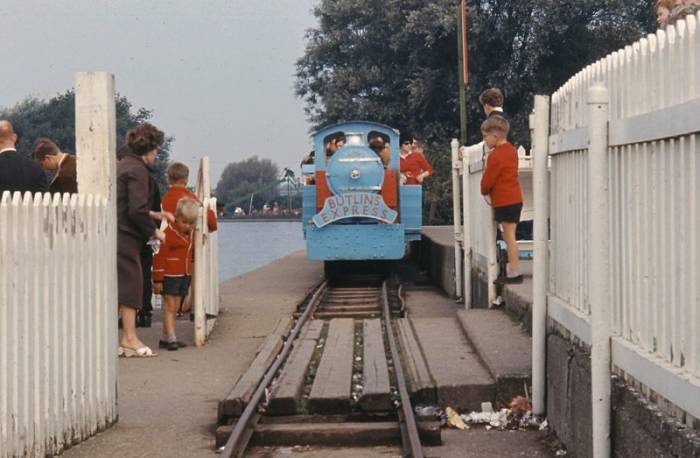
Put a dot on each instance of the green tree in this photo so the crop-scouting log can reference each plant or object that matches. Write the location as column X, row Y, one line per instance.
column 395, row 61
column 55, row 119
column 252, row 176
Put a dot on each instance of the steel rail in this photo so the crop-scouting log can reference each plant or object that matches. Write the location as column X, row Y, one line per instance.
column 245, row 426
column 407, row 421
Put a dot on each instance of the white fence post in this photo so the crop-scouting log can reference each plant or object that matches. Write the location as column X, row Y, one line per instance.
column 492, row 258
column 539, row 123
column 206, row 266
column 200, row 284
column 598, row 268
column 457, row 214
column 96, row 134
column 466, row 234
column 95, row 148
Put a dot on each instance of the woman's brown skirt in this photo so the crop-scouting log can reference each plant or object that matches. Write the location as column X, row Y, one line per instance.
column 129, row 271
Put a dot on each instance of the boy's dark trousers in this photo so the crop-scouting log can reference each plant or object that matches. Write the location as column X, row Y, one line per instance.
column 143, row 318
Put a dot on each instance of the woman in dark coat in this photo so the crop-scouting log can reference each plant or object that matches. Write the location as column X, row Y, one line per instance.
column 136, row 225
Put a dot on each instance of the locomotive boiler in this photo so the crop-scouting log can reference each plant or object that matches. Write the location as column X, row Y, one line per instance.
column 354, row 206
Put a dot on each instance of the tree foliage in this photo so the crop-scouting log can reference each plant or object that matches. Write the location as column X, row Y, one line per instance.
column 55, row 119
column 396, row 62
column 239, row 180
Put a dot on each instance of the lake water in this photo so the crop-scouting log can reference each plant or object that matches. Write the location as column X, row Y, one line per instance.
column 247, row 246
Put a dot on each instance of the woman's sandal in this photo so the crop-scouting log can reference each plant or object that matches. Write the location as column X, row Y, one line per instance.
column 143, row 352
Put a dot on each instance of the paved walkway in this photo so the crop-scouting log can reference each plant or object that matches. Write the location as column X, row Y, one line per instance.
column 167, row 404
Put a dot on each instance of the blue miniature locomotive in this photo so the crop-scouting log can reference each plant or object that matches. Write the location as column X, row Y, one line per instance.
column 354, row 207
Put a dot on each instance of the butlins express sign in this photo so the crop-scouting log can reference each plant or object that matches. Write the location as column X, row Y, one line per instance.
column 354, row 205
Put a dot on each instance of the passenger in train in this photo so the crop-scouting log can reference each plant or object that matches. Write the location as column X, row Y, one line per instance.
column 333, row 144
column 172, row 268
column 414, row 166
column 309, row 159
column 382, row 148
column 500, row 183
column 52, row 159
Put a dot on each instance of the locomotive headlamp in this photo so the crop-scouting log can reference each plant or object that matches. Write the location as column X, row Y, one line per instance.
column 353, row 138
column 355, row 174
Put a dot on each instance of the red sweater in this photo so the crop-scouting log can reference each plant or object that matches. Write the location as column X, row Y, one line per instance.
column 500, row 179
column 413, row 165
column 173, row 196
column 174, row 259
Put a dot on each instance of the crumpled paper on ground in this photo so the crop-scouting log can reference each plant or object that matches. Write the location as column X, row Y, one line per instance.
column 453, row 419
column 496, row 419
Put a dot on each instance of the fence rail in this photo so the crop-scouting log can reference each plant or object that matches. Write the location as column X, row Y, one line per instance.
column 58, row 322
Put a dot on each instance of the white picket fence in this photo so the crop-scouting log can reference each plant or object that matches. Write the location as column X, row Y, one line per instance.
column 58, row 322
column 206, row 266
column 621, row 268
column 654, row 206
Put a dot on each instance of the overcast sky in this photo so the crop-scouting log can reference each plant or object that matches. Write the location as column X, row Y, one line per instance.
column 218, row 74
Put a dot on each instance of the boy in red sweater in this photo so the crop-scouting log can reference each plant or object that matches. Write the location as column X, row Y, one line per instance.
column 178, row 174
column 172, row 268
column 500, row 183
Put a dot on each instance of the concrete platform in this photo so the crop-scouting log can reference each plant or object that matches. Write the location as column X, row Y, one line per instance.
column 461, row 380
column 436, row 254
column 503, row 346
column 168, row 404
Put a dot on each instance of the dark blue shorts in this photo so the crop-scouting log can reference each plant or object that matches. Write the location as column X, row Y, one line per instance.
column 508, row 214
column 177, row 286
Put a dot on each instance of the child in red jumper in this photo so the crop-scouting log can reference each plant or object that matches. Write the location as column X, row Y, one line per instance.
column 172, row 268
column 500, row 183
column 178, row 174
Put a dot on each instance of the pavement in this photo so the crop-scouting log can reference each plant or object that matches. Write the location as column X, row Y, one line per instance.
column 168, row 404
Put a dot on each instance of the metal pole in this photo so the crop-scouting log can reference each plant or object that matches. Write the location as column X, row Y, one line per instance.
column 463, row 73
column 539, row 125
column 457, row 214
column 466, row 235
column 598, row 268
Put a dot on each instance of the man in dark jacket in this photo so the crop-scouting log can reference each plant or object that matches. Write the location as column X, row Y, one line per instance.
column 52, row 159
column 17, row 173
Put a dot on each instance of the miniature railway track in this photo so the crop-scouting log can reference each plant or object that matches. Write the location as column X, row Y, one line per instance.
column 340, row 368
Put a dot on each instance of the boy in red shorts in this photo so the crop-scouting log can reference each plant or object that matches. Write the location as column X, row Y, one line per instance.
column 500, row 182
column 172, row 268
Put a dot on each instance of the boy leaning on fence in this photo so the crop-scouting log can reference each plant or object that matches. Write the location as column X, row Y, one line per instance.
column 172, row 268
column 500, row 182
column 178, row 176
